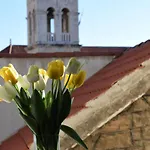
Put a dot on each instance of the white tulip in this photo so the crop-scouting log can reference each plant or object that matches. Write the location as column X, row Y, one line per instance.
column 10, row 89
column 23, row 82
column 41, row 84
column 73, row 66
column 33, row 74
column 7, row 92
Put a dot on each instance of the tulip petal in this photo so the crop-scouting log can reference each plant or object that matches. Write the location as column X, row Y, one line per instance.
column 10, row 89
column 33, row 74
column 4, row 95
column 55, row 69
column 44, row 74
column 23, row 82
column 13, row 70
column 9, row 74
column 73, row 66
column 80, row 78
column 40, row 85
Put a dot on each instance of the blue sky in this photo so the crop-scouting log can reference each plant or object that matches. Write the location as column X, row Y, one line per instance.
column 104, row 22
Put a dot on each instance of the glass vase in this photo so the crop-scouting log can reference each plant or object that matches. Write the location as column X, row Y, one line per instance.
column 51, row 142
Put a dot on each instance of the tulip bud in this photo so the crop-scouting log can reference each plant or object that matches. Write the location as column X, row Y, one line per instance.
column 9, row 73
column 76, row 80
column 23, row 82
column 7, row 92
column 40, row 85
column 10, row 89
column 13, row 70
column 70, row 84
column 4, row 95
column 44, row 74
column 73, row 66
column 33, row 74
column 55, row 69
column 80, row 78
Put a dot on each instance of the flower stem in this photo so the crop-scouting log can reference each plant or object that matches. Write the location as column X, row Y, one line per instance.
column 52, row 87
column 32, row 86
column 66, row 83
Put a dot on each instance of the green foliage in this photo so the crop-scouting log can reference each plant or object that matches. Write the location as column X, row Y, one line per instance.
column 44, row 116
column 30, row 122
column 65, row 106
column 24, row 97
column 37, row 106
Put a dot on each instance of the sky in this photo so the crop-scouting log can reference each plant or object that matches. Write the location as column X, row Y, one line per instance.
column 103, row 23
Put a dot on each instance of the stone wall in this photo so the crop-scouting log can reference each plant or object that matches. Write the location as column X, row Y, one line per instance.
column 128, row 131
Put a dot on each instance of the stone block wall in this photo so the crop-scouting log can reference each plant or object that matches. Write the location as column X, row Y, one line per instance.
column 128, row 131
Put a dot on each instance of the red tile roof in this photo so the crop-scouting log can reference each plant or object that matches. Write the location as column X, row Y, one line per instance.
column 18, row 51
column 96, row 85
column 13, row 49
column 110, row 74
column 20, row 141
column 103, row 49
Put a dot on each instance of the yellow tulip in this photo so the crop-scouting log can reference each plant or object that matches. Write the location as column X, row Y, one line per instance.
column 9, row 73
column 80, row 78
column 76, row 80
column 55, row 69
column 70, row 84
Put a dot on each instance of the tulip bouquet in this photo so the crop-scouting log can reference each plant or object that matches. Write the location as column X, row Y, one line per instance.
column 44, row 111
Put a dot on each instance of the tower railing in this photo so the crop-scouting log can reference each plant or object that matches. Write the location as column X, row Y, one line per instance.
column 51, row 38
column 66, row 37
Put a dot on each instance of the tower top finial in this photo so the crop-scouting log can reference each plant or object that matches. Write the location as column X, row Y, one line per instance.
column 10, row 41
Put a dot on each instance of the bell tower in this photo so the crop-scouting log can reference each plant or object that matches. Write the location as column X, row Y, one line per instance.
column 51, row 24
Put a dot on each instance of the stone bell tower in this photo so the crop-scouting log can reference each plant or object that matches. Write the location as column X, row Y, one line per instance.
column 53, row 25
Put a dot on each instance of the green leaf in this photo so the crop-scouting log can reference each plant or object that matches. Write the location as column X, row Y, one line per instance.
column 65, row 106
column 18, row 102
column 30, row 122
column 20, row 106
column 24, row 97
column 37, row 106
column 48, row 99
column 69, row 131
column 23, row 108
column 53, row 113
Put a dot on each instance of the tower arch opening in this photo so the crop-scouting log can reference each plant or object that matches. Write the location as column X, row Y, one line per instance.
column 50, row 20
column 65, row 20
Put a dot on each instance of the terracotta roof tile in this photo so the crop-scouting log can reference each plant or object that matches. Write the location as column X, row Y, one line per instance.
column 13, row 49
column 18, row 51
column 26, row 135
column 103, row 49
column 130, row 60
column 110, row 74
column 14, row 143
column 56, row 54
